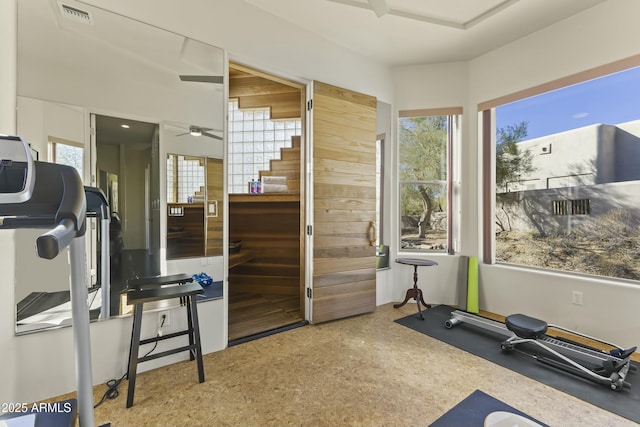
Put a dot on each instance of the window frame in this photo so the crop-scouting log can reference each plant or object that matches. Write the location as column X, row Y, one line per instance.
column 454, row 119
column 380, row 147
column 487, row 134
column 53, row 142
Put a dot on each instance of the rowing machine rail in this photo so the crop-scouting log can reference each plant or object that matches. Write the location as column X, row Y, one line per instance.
column 611, row 370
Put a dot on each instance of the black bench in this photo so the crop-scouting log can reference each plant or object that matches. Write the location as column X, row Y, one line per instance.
column 157, row 288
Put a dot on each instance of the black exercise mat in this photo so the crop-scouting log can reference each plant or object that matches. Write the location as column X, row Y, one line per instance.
column 485, row 344
column 473, row 410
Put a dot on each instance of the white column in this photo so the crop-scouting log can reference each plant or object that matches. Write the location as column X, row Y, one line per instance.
column 9, row 65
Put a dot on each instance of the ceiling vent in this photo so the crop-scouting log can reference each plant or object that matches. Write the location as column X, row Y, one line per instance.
column 75, row 14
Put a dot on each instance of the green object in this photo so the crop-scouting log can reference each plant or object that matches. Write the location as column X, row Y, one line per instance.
column 472, row 286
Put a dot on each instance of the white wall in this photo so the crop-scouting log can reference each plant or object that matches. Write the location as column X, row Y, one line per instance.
column 598, row 36
column 423, row 87
column 38, row 119
column 264, row 41
column 8, row 73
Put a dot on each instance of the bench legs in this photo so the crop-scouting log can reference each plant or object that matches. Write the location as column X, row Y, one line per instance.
column 194, row 336
column 194, row 347
column 133, row 352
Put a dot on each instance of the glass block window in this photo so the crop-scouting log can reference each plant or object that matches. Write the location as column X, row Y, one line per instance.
column 187, row 175
column 254, row 140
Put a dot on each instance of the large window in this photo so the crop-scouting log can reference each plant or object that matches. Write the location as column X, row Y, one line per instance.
column 424, row 175
column 567, row 178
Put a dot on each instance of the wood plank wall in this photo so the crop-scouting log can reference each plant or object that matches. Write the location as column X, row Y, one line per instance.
column 215, row 193
column 271, row 229
column 254, row 91
column 189, row 241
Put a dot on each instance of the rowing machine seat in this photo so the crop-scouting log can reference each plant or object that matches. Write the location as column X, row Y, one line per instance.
column 525, row 326
column 623, row 354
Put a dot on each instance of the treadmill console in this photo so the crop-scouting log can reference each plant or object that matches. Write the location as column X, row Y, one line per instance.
column 17, row 174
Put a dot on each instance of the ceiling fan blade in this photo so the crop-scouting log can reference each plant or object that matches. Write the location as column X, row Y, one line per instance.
column 208, row 129
column 202, row 79
column 219, row 138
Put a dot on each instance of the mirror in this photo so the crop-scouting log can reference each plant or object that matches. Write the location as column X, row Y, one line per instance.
column 194, row 200
column 83, row 73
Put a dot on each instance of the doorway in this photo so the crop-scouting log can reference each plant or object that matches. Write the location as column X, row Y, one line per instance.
column 278, row 234
column 126, row 170
column 266, row 262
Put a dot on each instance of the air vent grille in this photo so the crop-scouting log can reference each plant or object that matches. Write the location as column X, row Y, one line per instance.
column 75, row 14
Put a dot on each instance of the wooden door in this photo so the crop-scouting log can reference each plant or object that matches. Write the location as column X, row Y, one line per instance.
column 344, row 203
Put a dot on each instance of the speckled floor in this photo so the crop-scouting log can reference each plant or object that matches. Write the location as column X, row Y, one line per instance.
column 362, row 371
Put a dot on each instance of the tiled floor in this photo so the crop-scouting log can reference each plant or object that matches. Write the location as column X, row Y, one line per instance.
column 362, row 371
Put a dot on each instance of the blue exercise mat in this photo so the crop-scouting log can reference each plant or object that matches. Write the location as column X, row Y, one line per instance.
column 473, row 411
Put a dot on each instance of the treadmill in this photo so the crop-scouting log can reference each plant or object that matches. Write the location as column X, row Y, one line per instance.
column 48, row 196
column 98, row 207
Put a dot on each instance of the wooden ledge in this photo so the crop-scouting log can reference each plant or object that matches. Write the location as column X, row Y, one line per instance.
column 272, row 197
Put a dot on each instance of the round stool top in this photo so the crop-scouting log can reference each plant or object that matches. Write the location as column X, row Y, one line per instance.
column 416, row 261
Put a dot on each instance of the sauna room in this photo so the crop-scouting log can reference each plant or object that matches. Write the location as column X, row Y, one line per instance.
column 266, row 259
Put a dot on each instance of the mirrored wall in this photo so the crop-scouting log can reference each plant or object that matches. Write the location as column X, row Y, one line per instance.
column 194, row 203
column 88, row 81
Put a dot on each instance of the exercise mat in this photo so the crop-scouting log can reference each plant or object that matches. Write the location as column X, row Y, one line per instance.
column 474, row 409
column 486, row 344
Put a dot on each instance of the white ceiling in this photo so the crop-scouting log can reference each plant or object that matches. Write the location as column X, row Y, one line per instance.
column 423, row 31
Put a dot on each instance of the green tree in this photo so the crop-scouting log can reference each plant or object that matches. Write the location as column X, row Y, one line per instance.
column 423, row 167
column 511, row 164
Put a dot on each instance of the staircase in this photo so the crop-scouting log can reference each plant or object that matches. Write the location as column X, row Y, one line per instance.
column 288, row 165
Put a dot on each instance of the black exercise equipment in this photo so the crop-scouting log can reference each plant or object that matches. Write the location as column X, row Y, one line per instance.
column 98, row 207
column 45, row 195
column 527, row 334
column 608, row 368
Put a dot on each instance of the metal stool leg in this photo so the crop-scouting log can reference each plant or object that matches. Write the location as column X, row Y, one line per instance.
column 190, row 327
column 133, row 353
column 196, row 337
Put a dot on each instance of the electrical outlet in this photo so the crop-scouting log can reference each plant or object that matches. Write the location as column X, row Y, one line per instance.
column 164, row 319
column 576, row 298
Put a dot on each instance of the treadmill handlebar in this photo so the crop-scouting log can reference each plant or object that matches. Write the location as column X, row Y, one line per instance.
column 40, row 194
column 53, row 241
column 70, row 215
column 73, row 205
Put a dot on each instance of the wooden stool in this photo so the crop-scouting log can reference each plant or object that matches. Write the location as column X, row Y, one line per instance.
column 149, row 289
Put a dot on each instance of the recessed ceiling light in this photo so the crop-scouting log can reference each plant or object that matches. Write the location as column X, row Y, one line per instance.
column 125, row 126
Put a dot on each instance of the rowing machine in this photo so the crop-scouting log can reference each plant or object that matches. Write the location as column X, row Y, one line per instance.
column 608, row 368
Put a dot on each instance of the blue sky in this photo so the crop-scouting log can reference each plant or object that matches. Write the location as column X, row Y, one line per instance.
column 611, row 99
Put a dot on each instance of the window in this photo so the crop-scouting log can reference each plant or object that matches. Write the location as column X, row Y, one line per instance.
column 426, row 139
column 65, row 152
column 254, row 140
column 185, row 179
column 566, row 177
